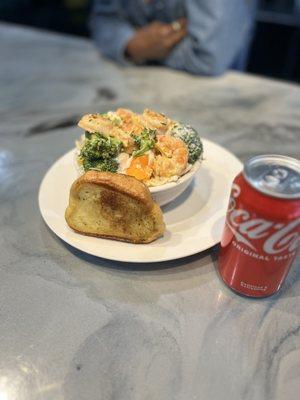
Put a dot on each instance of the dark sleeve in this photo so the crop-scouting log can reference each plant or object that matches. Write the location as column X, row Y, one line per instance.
column 217, row 32
column 110, row 31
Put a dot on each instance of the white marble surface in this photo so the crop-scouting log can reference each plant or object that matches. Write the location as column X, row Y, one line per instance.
column 76, row 327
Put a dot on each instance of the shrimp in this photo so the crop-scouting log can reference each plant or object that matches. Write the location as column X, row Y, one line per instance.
column 173, row 158
column 154, row 120
column 131, row 122
column 99, row 123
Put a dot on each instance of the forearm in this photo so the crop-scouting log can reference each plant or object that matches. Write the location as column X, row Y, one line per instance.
column 110, row 32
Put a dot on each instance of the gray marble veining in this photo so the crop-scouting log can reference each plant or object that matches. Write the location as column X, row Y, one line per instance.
column 76, row 327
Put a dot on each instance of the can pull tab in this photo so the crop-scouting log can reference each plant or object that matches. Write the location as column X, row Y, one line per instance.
column 276, row 177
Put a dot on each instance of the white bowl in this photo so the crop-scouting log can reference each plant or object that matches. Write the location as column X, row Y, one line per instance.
column 164, row 194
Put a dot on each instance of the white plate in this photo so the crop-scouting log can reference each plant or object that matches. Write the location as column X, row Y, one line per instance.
column 194, row 220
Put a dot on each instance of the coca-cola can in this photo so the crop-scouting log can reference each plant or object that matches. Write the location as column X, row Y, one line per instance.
column 262, row 229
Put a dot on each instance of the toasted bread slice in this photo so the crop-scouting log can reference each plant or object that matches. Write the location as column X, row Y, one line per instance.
column 114, row 206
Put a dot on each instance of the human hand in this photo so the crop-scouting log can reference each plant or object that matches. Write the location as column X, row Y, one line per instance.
column 155, row 40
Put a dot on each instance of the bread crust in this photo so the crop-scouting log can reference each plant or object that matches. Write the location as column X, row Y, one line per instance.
column 121, row 183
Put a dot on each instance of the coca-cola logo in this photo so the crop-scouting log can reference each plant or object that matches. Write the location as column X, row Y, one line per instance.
column 277, row 237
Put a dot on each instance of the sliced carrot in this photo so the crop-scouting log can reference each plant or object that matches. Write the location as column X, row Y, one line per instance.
column 139, row 168
column 140, row 161
column 137, row 173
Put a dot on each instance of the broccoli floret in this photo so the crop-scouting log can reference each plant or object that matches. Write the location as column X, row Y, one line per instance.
column 108, row 165
column 145, row 141
column 97, row 145
column 191, row 138
column 99, row 152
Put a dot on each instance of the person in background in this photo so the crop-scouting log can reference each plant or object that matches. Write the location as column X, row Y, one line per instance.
column 204, row 37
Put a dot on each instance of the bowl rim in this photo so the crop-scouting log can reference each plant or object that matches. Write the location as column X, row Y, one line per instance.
column 182, row 179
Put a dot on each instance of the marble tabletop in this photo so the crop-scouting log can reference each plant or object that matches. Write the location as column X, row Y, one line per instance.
column 78, row 327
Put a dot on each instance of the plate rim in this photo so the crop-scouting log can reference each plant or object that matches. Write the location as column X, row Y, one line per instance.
column 132, row 260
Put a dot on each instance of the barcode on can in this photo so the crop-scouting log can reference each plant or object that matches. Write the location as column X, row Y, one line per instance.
column 253, row 287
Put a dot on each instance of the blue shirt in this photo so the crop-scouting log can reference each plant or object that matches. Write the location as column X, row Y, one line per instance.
column 219, row 31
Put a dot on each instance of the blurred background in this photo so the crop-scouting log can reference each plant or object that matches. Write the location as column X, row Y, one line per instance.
column 275, row 49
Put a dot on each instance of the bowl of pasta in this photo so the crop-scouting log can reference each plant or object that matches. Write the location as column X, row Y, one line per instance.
column 162, row 153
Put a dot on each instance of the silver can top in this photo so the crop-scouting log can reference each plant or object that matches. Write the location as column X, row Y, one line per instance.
column 274, row 175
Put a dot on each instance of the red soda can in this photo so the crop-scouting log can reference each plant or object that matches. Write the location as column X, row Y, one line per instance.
column 262, row 229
